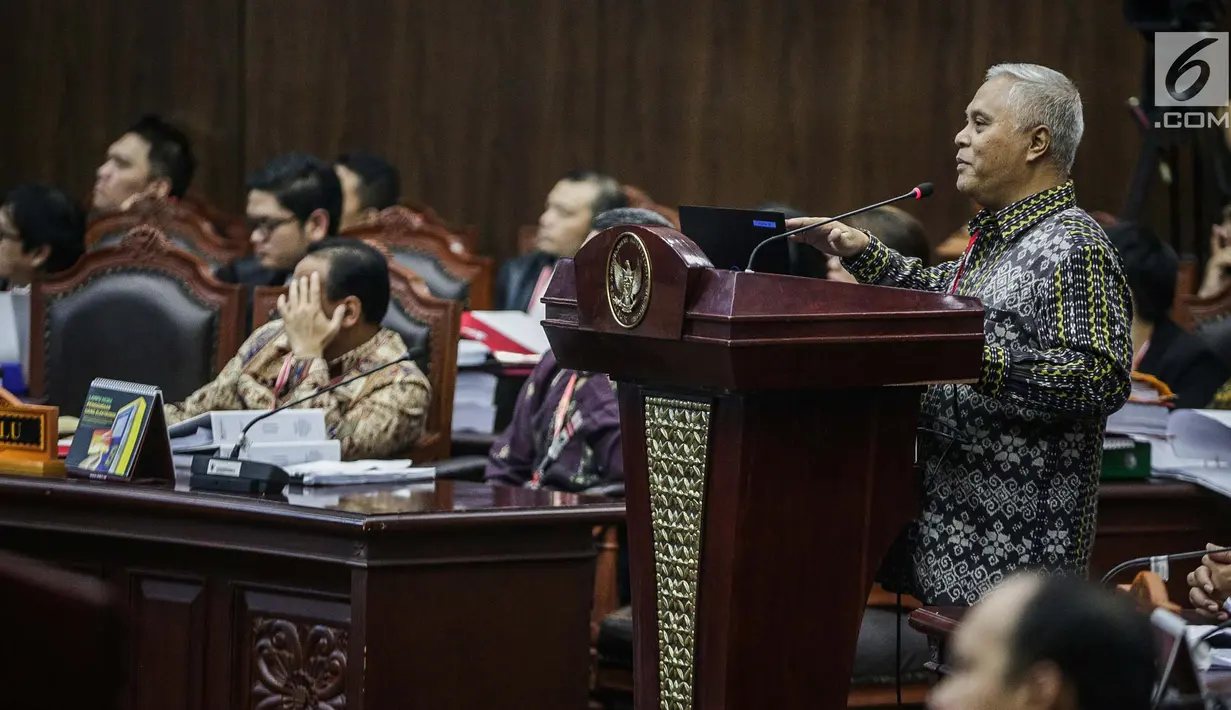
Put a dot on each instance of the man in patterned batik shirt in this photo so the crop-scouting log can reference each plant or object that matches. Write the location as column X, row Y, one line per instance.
column 565, row 432
column 329, row 331
column 1010, row 464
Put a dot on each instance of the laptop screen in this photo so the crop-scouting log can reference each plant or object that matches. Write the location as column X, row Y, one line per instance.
column 728, row 236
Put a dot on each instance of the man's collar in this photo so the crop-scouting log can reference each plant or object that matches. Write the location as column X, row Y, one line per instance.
column 1011, row 221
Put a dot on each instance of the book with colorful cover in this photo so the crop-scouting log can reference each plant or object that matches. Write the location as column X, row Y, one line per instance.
column 121, row 434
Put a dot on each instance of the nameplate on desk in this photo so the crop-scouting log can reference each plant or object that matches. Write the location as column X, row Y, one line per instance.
column 22, row 430
column 28, row 442
column 122, row 434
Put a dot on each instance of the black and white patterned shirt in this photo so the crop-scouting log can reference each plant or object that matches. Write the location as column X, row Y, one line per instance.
column 1010, row 465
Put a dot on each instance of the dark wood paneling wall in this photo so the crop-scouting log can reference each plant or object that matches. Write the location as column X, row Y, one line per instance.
column 77, row 73
column 483, row 103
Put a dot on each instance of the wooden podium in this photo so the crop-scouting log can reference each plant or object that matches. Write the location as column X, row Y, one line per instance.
column 768, row 430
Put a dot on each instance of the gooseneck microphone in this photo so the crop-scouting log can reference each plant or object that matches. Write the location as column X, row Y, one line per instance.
column 918, row 193
column 1143, row 562
column 243, row 433
column 230, row 473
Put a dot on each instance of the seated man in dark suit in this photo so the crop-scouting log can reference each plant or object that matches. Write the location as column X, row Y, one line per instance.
column 151, row 159
column 565, row 432
column 294, row 201
column 330, row 330
column 1181, row 360
column 369, row 184
column 571, row 207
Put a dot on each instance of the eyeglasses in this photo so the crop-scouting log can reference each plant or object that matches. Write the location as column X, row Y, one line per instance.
column 267, row 226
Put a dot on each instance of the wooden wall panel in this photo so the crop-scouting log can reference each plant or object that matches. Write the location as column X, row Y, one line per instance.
column 77, row 73
column 828, row 106
column 482, row 103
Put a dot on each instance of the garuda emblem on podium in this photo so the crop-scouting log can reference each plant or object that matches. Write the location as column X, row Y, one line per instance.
column 628, row 280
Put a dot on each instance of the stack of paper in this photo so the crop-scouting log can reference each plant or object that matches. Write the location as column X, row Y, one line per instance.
column 288, row 437
column 474, row 402
column 340, row 473
column 471, row 353
column 506, row 331
column 1146, row 412
column 1197, row 449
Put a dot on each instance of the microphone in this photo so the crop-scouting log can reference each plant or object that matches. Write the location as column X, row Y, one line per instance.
column 921, row 191
column 1142, row 562
column 243, row 434
column 232, row 474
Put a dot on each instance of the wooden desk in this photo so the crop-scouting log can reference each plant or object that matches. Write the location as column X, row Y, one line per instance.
column 447, row 594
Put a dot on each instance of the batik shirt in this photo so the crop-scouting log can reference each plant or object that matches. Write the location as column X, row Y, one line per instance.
column 380, row 416
column 586, row 430
column 1010, row 464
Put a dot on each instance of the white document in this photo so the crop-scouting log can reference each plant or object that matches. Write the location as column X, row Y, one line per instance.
column 336, row 473
column 517, row 326
column 12, row 347
column 471, row 353
column 475, row 386
column 1201, row 434
column 287, row 425
column 287, row 453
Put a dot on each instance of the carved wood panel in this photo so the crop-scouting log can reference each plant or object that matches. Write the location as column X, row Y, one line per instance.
column 168, row 642
column 292, row 652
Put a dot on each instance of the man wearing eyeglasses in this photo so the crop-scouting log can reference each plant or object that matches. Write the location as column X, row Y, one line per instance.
column 294, row 201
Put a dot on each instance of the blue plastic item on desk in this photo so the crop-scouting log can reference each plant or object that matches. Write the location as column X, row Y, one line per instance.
column 12, row 378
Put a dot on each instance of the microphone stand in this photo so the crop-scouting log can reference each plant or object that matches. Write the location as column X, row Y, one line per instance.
column 230, row 473
column 917, row 193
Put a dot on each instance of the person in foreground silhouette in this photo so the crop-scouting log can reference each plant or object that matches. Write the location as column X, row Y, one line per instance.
column 1038, row 643
column 1010, row 464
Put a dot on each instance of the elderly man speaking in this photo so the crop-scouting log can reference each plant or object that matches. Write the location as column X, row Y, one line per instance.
column 1010, row 464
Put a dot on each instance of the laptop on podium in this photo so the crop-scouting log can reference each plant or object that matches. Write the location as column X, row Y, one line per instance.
column 727, row 236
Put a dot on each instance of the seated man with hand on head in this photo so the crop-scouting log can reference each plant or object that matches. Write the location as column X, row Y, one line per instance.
column 1038, row 643
column 565, row 432
column 330, row 331
column 572, row 205
column 369, row 184
column 151, row 159
column 294, row 201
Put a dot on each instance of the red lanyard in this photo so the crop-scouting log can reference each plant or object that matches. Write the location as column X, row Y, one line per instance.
column 562, row 407
column 558, row 425
column 961, row 267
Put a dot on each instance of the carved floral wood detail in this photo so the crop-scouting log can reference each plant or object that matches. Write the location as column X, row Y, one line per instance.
column 298, row 666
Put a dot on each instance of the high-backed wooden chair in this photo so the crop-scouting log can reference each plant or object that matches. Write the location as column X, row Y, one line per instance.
column 184, row 227
column 463, row 238
column 430, row 327
column 233, row 228
column 66, row 637
column 140, row 310
column 1209, row 317
column 429, row 251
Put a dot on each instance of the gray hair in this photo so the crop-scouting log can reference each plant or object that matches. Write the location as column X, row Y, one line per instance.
column 629, row 215
column 1045, row 97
